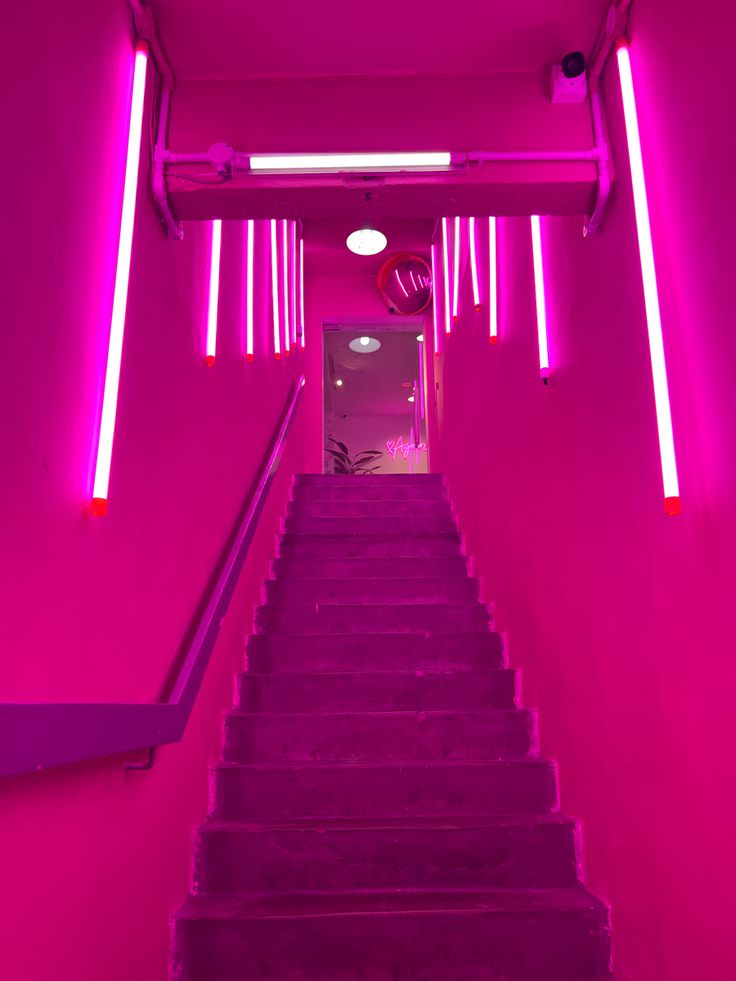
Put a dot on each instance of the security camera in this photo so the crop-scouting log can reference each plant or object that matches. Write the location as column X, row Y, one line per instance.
column 568, row 81
column 573, row 64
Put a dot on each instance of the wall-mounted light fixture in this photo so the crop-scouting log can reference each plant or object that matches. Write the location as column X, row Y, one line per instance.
column 337, row 162
column 474, row 263
column 275, row 290
column 539, row 297
column 663, row 411
column 249, row 286
column 366, row 241
column 213, row 299
column 120, row 294
column 492, row 282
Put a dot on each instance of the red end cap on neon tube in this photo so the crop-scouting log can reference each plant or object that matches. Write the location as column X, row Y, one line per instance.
column 210, row 361
column 98, row 508
column 672, row 506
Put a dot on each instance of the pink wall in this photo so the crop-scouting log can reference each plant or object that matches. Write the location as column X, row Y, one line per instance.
column 619, row 615
column 332, row 299
column 95, row 859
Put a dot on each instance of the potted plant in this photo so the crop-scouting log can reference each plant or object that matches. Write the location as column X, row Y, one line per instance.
column 362, row 462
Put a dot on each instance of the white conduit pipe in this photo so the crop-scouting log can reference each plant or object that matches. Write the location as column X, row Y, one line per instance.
column 146, row 28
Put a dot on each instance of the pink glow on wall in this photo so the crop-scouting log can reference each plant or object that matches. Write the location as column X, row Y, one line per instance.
column 492, row 282
column 275, row 290
column 213, row 296
column 474, row 262
column 286, row 298
column 456, row 268
column 301, row 292
column 122, row 275
column 540, row 301
column 435, row 300
column 446, row 276
column 249, row 288
column 649, row 280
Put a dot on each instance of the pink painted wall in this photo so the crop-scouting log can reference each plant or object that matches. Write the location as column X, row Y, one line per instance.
column 333, row 299
column 619, row 616
column 95, row 860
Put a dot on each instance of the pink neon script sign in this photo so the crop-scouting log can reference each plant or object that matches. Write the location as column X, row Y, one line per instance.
column 398, row 445
column 214, row 292
column 120, row 294
column 651, row 294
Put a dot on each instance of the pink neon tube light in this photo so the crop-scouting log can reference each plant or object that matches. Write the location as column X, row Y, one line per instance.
column 275, row 290
column 120, row 294
column 540, row 299
column 492, row 282
column 301, row 290
column 214, row 292
column 435, row 324
column 285, row 276
column 292, row 267
column 456, row 271
column 474, row 263
column 249, row 319
column 446, row 276
column 668, row 459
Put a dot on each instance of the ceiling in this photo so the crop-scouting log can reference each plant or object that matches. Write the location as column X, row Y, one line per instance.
column 327, row 253
column 227, row 39
column 373, row 383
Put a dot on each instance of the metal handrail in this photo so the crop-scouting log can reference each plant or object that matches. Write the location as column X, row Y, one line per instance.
column 34, row 736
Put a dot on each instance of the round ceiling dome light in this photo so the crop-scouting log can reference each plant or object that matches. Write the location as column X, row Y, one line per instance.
column 364, row 345
column 366, row 241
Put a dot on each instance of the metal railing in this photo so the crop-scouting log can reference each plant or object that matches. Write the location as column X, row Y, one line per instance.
column 38, row 735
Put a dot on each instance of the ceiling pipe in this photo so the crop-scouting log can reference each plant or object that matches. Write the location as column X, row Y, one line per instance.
column 614, row 27
column 145, row 27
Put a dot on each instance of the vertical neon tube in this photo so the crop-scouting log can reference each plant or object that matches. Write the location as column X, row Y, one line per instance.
column 671, row 485
column 249, row 267
column 474, row 263
column 539, row 296
column 214, row 292
column 120, row 294
column 285, row 279
column 492, row 282
column 301, row 290
column 292, row 267
column 446, row 276
column 456, row 271
column 275, row 291
column 435, row 319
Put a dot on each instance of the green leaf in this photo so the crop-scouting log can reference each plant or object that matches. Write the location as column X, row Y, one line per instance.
column 342, row 446
column 338, row 455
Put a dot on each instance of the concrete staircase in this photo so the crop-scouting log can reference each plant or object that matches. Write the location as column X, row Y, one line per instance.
column 380, row 812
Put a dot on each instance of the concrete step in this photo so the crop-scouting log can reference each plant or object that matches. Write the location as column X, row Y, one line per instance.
column 378, row 618
column 392, row 691
column 298, row 524
column 475, row 853
column 431, row 651
column 267, row 791
column 437, row 508
column 378, row 736
column 483, row 936
column 370, row 480
column 292, row 591
column 369, row 490
column 368, row 546
column 453, row 567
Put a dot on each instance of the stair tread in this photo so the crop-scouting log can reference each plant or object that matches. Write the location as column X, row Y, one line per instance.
column 571, row 899
column 442, row 822
column 291, row 765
